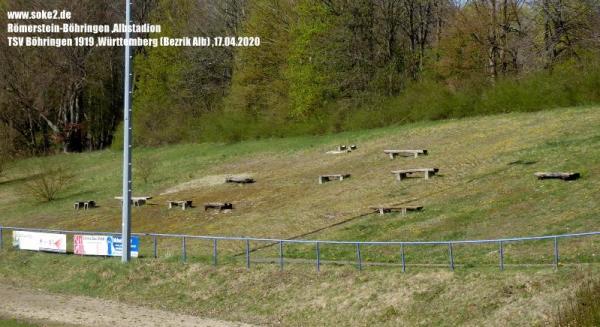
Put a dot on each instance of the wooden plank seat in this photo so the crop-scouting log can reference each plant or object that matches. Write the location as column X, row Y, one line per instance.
column 565, row 176
column 85, row 205
column 403, row 173
column 405, row 153
column 327, row 178
column 218, row 205
column 178, row 203
column 137, row 201
column 239, row 180
column 383, row 209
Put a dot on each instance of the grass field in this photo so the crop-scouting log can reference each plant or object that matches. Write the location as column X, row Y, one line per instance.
column 7, row 322
column 300, row 297
column 485, row 189
column 14, row 323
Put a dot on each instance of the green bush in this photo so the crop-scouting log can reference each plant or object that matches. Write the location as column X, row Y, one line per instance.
column 569, row 84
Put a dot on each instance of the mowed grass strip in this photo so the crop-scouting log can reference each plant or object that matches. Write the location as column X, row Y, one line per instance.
column 299, row 296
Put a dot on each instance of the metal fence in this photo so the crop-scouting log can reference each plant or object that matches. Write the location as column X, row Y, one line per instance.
column 317, row 244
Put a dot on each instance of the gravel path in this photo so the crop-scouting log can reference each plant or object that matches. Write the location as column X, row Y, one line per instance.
column 86, row 311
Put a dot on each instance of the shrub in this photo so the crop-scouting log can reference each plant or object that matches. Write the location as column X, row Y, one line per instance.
column 583, row 309
column 7, row 150
column 47, row 183
column 144, row 167
column 3, row 164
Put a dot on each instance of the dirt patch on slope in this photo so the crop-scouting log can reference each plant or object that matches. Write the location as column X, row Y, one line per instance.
column 206, row 181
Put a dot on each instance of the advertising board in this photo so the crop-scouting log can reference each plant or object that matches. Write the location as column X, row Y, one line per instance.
column 103, row 245
column 33, row 241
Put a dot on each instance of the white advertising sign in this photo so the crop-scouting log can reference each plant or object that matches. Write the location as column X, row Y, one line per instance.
column 34, row 241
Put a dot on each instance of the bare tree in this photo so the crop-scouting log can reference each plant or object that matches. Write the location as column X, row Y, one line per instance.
column 502, row 29
column 566, row 23
column 47, row 183
column 417, row 26
column 46, row 91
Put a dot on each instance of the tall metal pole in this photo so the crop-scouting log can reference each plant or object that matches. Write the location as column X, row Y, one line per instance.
column 126, row 212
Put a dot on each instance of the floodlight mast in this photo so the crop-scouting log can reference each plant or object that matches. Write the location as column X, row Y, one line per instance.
column 126, row 212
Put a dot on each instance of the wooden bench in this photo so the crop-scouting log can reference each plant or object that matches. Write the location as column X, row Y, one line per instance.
column 403, row 173
column 84, row 204
column 239, row 180
column 183, row 204
column 218, row 205
column 405, row 153
column 327, row 178
column 565, row 176
column 137, row 201
column 403, row 209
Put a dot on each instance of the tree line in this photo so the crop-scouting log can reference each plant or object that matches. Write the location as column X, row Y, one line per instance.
column 322, row 66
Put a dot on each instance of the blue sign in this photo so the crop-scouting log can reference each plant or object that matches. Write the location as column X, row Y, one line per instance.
column 115, row 246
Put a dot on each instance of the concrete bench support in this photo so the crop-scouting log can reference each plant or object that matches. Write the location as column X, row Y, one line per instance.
column 347, row 147
column 218, row 205
column 327, row 178
column 427, row 172
column 137, row 201
column 183, row 204
column 403, row 209
column 85, row 205
column 405, row 153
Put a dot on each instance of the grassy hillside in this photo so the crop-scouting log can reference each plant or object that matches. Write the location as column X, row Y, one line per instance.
column 485, row 189
column 300, row 297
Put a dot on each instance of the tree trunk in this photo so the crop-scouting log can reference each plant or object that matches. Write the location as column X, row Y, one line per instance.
column 493, row 42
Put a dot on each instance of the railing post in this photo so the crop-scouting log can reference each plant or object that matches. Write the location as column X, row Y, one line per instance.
column 556, row 253
column 155, row 246
column 1, row 239
column 214, row 252
column 402, row 257
column 183, row 250
column 451, row 255
column 318, row 249
column 248, row 253
column 281, row 255
column 501, row 256
column 358, row 257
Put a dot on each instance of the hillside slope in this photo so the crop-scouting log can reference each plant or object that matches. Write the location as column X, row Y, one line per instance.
column 485, row 189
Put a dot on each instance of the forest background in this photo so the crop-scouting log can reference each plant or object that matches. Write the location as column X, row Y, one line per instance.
column 323, row 66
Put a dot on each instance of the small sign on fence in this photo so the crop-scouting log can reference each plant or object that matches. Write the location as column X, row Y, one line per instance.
column 33, row 241
column 103, row 245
